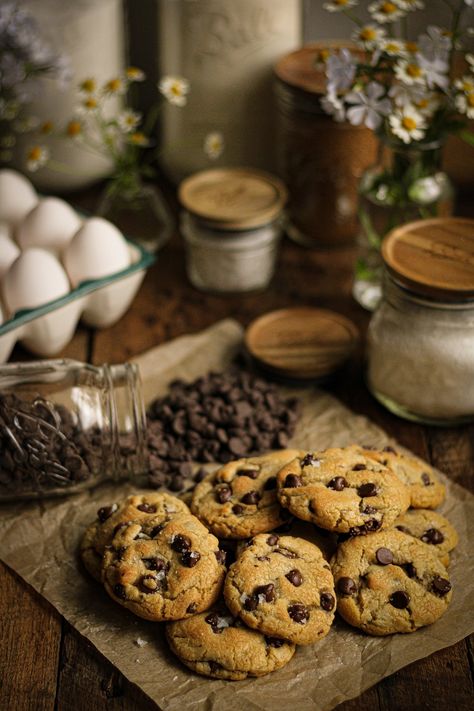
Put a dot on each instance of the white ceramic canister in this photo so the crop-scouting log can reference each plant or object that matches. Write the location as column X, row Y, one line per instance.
column 226, row 50
column 91, row 34
column 232, row 224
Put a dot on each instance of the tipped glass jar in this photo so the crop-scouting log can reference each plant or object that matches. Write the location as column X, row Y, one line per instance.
column 67, row 426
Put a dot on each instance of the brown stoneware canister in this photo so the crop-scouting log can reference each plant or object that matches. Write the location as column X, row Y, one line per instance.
column 320, row 160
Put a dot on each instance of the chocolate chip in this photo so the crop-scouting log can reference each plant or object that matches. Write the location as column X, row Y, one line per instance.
column 223, row 493
column 214, row 666
column 251, row 498
column 358, row 467
column 327, row 601
column 200, row 475
column 368, row 527
column 190, row 558
column 156, row 530
column 214, row 620
column 292, row 481
column 251, row 473
column 176, row 483
column 409, row 569
column 147, row 508
column 307, row 460
column 272, row 539
column 237, row 509
column 268, row 591
column 274, row 642
column 346, row 586
column 432, row 535
column 295, row 577
column 384, row 556
column 338, row 483
column 180, row 543
column 286, row 553
column 399, row 599
column 440, row 586
column 119, row 591
column 389, row 449
column 119, row 526
column 270, row 483
column 425, row 478
column 403, row 529
column 299, row 613
column 106, row 512
column 366, row 490
column 191, row 608
column 220, row 557
column 251, row 604
column 154, row 564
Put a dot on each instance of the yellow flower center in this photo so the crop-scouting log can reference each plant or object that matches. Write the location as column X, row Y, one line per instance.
column 411, row 47
column 138, row 138
column 113, row 85
column 388, row 8
column 470, row 99
column 391, row 47
column 35, row 153
column 133, row 72
column 422, row 103
column 323, row 55
column 414, row 71
column 74, row 128
column 341, row 2
column 89, row 86
column 176, row 89
column 367, row 34
column 409, row 123
column 47, row 127
column 90, row 103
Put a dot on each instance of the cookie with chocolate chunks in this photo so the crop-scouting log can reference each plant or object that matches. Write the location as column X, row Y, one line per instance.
column 283, row 587
column 164, row 572
column 342, row 490
column 389, row 582
column 239, row 500
column 218, row 645
column 432, row 528
column 110, row 518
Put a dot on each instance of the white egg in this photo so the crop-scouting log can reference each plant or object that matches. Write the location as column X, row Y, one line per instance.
column 33, row 279
column 97, row 250
column 17, row 197
column 8, row 249
column 51, row 224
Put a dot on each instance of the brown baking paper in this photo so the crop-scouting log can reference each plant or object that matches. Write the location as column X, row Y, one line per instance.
column 40, row 540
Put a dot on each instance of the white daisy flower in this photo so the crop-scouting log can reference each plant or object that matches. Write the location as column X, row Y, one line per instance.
column 465, row 104
column 339, row 5
column 369, row 36
column 368, row 107
column 135, row 74
column 393, row 47
column 117, row 86
column 138, row 139
column 88, row 106
column 427, row 103
column 409, row 72
column 470, row 60
column 214, row 145
column 88, row 86
column 37, row 157
column 435, row 44
column 340, row 71
column 409, row 5
column 333, row 106
column 415, row 95
column 465, row 83
column 408, row 124
column 174, row 89
column 435, row 72
column 128, row 120
column 385, row 11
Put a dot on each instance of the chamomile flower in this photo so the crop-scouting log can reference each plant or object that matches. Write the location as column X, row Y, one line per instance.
column 88, row 86
column 339, row 5
column 470, row 59
column 135, row 74
column 334, row 106
column 139, row 139
column 321, row 58
column 88, row 106
column 409, row 72
column 369, row 106
column 465, row 83
column 385, row 11
column 128, row 120
column 116, row 86
column 465, row 104
column 409, row 5
column 36, row 157
column 393, row 47
column 174, row 89
column 411, row 47
column 408, row 124
column 214, row 145
column 74, row 129
column 46, row 128
column 427, row 103
column 369, row 36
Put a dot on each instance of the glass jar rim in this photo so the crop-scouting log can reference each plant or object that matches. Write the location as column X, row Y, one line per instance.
column 430, row 301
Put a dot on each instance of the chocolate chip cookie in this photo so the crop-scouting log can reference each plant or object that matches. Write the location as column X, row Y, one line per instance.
column 283, row 587
column 164, row 571
column 389, row 582
column 216, row 644
column 109, row 518
column 342, row 490
column 239, row 500
column 426, row 491
column 430, row 527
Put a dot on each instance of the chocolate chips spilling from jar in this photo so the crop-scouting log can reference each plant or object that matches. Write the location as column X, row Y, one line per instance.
column 216, row 418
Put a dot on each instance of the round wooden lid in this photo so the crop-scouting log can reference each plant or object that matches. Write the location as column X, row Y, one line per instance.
column 233, row 198
column 433, row 257
column 300, row 69
column 301, row 343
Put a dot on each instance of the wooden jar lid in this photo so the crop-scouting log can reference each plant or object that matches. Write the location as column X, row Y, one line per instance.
column 433, row 257
column 233, row 198
column 301, row 343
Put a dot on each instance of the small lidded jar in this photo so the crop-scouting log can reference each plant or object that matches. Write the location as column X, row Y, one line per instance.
column 66, row 426
column 232, row 223
column 421, row 338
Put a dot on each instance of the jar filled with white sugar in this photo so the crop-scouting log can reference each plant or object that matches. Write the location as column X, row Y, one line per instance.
column 232, row 223
column 421, row 338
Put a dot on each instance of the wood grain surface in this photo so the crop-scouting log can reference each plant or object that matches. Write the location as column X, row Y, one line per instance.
column 47, row 666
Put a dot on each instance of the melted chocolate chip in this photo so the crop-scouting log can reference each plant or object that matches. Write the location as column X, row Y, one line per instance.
column 157, row 530
column 190, row 558
column 295, row 577
column 425, row 478
column 251, row 604
column 440, row 586
column 251, row 473
column 119, row 527
column 346, row 586
column 119, row 591
column 403, row 529
column 338, row 483
column 272, row 539
column 432, row 535
column 267, row 590
column 220, row 556
column 214, row 666
column 285, row 552
column 307, row 460
column 368, row 527
column 191, row 608
column 384, row 556
column 251, row 498
column 366, row 490
column 237, row 509
column 180, row 543
column 154, row 564
column 299, row 613
column 409, row 569
column 223, row 493
column 274, row 642
column 270, row 483
column 327, row 601
column 399, row 599
column 292, row 481
column 106, row 512
column 358, row 467
column 147, row 508
column 214, row 620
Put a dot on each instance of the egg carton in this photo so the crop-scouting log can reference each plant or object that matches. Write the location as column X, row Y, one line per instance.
column 99, row 303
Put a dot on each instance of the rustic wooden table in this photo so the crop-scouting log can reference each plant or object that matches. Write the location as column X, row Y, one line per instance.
column 46, row 665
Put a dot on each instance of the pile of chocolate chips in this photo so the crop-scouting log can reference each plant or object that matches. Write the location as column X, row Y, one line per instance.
column 216, row 418
column 41, row 448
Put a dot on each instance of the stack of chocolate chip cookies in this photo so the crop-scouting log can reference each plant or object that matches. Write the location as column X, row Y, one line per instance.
column 310, row 532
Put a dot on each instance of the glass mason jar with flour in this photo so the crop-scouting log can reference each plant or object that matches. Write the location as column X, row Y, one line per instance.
column 421, row 338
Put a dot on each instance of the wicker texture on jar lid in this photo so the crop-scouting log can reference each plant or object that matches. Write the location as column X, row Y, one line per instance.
column 433, row 257
column 233, row 198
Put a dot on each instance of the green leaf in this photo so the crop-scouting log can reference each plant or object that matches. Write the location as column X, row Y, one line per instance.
column 467, row 136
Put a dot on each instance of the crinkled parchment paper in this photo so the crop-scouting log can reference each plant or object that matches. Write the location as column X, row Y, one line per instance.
column 39, row 541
